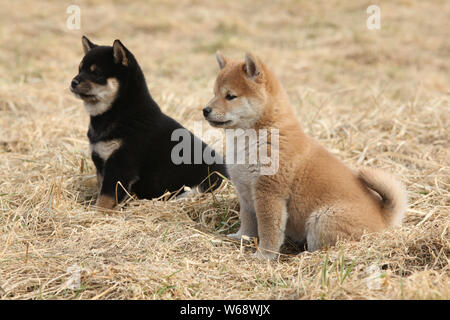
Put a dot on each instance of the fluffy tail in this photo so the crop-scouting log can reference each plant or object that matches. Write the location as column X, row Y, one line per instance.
column 392, row 192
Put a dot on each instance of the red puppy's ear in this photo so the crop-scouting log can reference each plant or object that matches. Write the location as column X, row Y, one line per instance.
column 221, row 60
column 252, row 66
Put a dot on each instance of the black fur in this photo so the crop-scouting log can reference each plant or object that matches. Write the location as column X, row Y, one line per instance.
column 143, row 162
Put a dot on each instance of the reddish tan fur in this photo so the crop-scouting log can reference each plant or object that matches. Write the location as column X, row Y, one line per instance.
column 313, row 197
column 105, row 202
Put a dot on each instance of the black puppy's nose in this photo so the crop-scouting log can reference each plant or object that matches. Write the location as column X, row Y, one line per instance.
column 206, row 111
column 74, row 83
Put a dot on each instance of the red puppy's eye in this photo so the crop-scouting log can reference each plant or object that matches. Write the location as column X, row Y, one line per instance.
column 230, row 96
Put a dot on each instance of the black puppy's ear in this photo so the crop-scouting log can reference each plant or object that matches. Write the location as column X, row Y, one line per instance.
column 120, row 53
column 87, row 44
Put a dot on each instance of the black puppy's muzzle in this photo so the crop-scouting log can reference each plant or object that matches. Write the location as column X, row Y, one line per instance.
column 81, row 89
column 74, row 84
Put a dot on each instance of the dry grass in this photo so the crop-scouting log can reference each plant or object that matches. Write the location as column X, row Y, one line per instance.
column 378, row 98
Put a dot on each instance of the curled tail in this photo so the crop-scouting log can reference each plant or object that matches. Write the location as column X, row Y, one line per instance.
column 392, row 192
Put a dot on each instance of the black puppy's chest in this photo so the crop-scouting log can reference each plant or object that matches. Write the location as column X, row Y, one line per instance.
column 103, row 142
column 101, row 131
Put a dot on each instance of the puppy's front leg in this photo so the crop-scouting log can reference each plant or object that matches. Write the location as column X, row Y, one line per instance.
column 115, row 171
column 99, row 181
column 271, row 214
column 247, row 213
column 105, row 201
column 99, row 168
column 248, row 226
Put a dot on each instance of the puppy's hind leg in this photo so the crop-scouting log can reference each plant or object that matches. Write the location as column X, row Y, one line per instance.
column 324, row 227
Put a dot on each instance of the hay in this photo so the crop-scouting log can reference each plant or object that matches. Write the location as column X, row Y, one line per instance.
column 373, row 98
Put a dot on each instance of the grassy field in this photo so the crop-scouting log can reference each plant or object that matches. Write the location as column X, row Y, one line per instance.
column 379, row 98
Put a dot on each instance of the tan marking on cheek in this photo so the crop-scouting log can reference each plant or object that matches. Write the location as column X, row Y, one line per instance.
column 86, row 85
column 105, row 96
column 113, row 84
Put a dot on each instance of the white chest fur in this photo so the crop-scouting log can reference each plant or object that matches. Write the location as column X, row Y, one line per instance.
column 105, row 149
column 248, row 158
column 242, row 157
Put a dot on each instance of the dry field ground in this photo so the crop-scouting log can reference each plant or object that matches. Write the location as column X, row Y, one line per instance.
column 378, row 98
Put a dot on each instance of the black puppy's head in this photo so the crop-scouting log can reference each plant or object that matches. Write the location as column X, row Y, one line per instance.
column 101, row 72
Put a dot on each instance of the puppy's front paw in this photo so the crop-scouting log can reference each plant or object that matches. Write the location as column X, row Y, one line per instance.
column 264, row 255
column 105, row 202
column 236, row 235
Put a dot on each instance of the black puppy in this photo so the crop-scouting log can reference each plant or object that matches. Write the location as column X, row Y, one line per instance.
column 130, row 138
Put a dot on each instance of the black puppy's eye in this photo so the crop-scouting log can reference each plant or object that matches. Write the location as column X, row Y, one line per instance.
column 94, row 69
column 230, row 96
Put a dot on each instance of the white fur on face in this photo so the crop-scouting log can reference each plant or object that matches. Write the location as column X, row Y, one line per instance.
column 105, row 97
column 105, row 149
column 245, row 115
